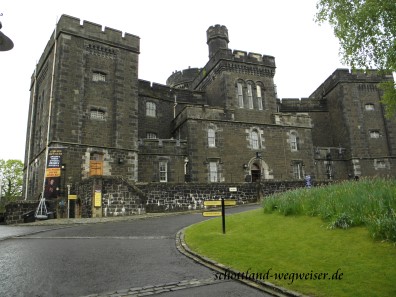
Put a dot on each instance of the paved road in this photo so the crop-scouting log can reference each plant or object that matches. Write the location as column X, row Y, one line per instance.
column 103, row 258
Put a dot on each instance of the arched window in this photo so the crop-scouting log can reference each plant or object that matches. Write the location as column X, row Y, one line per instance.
column 240, row 94
column 151, row 109
column 294, row 145
column 259, row 98
column 250, row 96
column 254, row 140
column 211, row 137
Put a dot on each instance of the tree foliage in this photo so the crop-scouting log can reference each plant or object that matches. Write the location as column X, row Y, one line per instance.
column 11, row 178
column 366, row 30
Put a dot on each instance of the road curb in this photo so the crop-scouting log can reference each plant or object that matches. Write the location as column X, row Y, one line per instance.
column 266, row 287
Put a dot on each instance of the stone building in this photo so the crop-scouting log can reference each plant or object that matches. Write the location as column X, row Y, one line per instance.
column 218, row 124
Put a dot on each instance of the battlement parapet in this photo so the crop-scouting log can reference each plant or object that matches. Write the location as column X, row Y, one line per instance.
column 302, row 105
column 343, row 75
column 235, row 56
column 73, row 26
column 182, row 79
column 155, row 90
column 217, row 31
column 88, row 29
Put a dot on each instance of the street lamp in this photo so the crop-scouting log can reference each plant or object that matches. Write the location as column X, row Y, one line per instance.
column 5, row 42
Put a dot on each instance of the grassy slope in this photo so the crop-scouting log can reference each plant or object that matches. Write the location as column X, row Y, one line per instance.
column 300, row 244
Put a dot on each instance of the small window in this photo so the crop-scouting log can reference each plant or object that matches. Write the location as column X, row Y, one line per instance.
column 369, row 106
column 151, row 135
column 250, row 96
column 254, row 138
column 98, row 76
column 163, row 171
column 211, row 138
column 97, row 114
column 240, row 95
column 259, row 98
column 213, row 173
column 380, row 164
column 374, row 134
column 151, row 109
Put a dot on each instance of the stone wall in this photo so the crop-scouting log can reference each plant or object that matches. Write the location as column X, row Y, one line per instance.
column 118, row 197
column 181, row 197
column 15, row 211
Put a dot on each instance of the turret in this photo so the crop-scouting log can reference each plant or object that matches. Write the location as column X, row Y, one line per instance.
column 217, row 38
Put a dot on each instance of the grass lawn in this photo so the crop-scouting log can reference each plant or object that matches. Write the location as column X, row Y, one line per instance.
column 300, row 244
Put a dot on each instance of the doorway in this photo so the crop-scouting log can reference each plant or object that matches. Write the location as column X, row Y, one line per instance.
column 255, row 172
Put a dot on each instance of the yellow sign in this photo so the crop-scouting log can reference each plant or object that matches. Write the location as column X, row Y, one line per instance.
column 229, row 202
column 52, row 172
column 218, row 202
column 98, row 199
column 72, row 197
column 211, row 213
column 212, row 203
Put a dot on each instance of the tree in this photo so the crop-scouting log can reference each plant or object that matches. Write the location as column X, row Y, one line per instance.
column 366, row 30
column 11, row 178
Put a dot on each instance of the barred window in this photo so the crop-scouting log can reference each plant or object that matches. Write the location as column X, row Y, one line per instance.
column 97, row 114
column 369, row 106
column 375, row 134
column 98, row 76
column 151, row 135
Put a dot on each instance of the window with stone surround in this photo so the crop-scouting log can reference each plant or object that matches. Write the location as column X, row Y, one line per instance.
column 298, row 172
column 369, row 107
column 151, row 109
column 211, row 137
column 255, row 139
column 163, row 171
column 294, row 145
column 213, row 172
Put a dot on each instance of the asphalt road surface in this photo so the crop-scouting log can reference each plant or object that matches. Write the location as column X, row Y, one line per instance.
column 102, row 258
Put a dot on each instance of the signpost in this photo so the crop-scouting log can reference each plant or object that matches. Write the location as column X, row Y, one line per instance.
column 221, row 213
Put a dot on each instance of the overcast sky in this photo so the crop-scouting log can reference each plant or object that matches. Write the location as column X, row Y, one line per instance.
column 172, row 37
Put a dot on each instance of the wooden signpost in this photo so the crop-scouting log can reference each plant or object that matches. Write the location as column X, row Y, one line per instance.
column 221, row 203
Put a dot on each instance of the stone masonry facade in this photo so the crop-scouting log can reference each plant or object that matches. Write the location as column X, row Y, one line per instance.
column 209, row 127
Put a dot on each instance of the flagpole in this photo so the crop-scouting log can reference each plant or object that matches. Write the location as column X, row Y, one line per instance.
column 42, row 207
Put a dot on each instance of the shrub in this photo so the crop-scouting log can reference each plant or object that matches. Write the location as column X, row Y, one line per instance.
column 368, row 202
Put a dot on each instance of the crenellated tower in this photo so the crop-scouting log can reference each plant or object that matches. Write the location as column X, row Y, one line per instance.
column 217, row 38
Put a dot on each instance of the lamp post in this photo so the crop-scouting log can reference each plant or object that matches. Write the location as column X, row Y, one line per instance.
column 5, row 42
